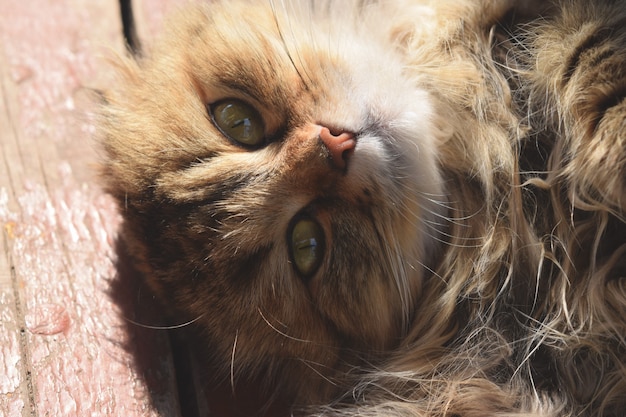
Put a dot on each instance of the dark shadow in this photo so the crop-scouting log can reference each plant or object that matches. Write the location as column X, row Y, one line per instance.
column 149, row 342
column 156, row 340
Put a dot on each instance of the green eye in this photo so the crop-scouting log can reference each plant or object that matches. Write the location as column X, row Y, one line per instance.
column 306, row 244
column 239, row 121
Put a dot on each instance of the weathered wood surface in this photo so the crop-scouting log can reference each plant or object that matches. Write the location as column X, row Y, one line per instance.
column 66, row 346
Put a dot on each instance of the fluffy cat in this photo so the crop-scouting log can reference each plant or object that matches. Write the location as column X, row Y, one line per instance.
column 409, row 207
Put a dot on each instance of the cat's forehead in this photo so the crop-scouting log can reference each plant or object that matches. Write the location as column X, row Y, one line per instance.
column 278, row 58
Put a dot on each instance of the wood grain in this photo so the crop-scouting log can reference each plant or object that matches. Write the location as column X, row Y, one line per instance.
column 67, row 347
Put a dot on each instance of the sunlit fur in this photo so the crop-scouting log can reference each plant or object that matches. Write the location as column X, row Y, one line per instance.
column 476, row 248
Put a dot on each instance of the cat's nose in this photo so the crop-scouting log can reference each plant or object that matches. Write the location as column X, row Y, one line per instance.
column 340, row 146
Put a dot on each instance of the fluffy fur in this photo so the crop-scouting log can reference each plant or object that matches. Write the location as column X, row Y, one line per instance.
column 475, row 243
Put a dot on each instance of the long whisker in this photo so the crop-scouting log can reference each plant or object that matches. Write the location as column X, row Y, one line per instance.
column 232, row 363
column 278, row 331
column 284, row 43
column 176, row 326
column 310, row 366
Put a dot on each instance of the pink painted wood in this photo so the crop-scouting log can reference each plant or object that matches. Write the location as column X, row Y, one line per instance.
column 66, row 346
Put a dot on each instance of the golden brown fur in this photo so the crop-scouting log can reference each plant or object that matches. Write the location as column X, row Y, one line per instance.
column 475, row 258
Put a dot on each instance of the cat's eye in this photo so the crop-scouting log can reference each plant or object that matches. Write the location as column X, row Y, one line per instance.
column 239, row 121
column 307, row 245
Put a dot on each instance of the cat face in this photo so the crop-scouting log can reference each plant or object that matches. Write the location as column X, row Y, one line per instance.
column 277, row 175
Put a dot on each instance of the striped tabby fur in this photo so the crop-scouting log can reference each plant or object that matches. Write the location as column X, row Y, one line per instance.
column 475, row 244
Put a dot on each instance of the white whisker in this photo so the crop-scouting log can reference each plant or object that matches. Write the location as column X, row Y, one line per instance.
column 278, row 331
column 310, row 364
column 232, row 363
column 176, row 326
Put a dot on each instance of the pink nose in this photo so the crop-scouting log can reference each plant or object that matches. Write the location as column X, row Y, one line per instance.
column 340, row 146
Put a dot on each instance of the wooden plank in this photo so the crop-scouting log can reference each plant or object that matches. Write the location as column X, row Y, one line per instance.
column 15, row 384
column 66, row 347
